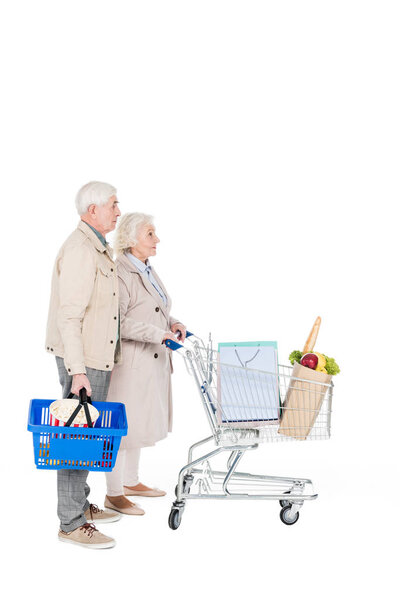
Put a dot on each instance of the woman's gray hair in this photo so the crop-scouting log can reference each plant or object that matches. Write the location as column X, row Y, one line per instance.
column 128, row 229
column 94, row 192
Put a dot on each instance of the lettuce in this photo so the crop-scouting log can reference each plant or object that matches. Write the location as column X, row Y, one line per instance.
column 295, row 356
column 332, row 368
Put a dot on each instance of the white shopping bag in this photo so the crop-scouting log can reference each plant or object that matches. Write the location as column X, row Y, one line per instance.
column 248, row 387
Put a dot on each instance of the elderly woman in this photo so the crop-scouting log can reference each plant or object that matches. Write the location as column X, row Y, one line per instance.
column 143, row 380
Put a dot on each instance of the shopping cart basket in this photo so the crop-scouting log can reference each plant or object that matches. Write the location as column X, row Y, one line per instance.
column 90, row 448
column 304, row 414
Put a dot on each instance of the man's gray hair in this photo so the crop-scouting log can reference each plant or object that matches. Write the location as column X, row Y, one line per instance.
column 128, row 229
column 94, row 192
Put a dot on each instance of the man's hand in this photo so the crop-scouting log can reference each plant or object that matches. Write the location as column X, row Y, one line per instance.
column 80, row 381
column 178, row 327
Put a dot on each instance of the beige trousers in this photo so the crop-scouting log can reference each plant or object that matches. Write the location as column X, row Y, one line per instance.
column 125, row 472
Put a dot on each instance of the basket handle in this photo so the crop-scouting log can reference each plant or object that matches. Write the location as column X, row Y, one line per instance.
column 82, row 393
column 84, row 400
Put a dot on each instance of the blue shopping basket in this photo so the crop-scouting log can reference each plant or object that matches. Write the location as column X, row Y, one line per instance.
column 90, row 448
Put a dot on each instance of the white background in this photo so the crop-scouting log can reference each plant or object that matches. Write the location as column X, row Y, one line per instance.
column 264, row 138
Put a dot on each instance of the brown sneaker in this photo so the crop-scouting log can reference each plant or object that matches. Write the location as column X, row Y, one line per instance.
column 87, row 536
column 94, row 514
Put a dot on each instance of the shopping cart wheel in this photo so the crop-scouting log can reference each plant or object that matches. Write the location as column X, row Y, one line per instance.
column 285, row 503
column 285, row 518
column 174, row 519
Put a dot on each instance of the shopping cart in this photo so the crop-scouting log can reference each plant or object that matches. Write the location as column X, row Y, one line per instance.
column 304, row 413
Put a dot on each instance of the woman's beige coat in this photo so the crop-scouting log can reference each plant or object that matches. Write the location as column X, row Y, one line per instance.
column 143, row 380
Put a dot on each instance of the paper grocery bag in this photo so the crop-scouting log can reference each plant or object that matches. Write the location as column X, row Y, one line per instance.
column 303, row 401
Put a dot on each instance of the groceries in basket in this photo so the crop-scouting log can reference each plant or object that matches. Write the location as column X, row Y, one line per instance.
column 91, row 449
column 61, row 411
column 314, row 360
column 248, row 388
column 311, row 379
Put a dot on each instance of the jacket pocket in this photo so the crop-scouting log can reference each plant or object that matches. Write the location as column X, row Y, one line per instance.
column 104, row 286
column 103, row 272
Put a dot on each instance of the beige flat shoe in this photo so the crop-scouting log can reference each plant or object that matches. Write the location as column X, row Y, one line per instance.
column 150, row 493
column 130, row 510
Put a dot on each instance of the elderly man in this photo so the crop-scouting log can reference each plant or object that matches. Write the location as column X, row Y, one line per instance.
column 82, row 334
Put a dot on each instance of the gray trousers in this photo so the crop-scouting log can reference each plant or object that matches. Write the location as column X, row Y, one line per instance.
column 72, row 488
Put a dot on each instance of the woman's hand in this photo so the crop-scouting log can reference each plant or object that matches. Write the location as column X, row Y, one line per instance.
column 170, row 336
column 178, row 327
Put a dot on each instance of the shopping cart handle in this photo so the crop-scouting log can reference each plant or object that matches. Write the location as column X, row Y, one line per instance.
column 174, row 345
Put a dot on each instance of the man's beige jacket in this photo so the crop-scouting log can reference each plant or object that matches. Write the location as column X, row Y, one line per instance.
column 82, row 325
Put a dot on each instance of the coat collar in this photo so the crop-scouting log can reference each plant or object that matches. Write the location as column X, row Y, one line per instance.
column 131, row 268
column 84, row 227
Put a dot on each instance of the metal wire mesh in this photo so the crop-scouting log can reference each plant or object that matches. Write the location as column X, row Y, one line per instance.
column 246, row 406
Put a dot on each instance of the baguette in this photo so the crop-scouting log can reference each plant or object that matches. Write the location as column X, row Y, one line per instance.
column 312, row 338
